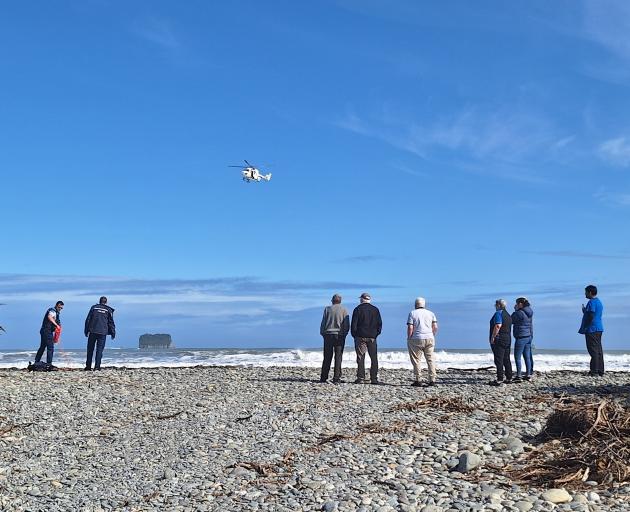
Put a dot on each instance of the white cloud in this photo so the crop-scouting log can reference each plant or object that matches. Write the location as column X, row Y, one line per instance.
column 607, row 22
column 614, row 199
column 481, row 134
column 616, row 151
column 157, row 31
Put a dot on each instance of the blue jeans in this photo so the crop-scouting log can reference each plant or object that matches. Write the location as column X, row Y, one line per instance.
column 99, row 341
column 523, row 348
column 46, row 344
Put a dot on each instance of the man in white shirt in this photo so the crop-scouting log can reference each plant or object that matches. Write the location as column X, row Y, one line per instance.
column 421, row 330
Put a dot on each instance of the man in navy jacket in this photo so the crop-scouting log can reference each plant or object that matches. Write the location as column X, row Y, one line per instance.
column 98, row 324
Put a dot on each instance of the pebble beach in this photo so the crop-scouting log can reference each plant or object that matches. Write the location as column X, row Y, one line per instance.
column 246, row 438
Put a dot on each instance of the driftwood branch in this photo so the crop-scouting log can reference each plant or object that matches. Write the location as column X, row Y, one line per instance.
column 169, row 416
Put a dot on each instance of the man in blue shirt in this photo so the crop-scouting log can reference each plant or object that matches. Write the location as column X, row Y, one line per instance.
column 593, row 328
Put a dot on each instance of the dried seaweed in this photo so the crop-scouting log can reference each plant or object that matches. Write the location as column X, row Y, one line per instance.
column 271, row 472
column 435, row 402
column 581, row 441
column 332, row 438
column 11, row 428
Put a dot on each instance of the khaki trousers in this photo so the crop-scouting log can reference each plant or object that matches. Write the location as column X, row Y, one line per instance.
column 416, row 349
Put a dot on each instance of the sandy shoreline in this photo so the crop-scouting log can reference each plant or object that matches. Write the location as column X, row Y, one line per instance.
column 230, row 438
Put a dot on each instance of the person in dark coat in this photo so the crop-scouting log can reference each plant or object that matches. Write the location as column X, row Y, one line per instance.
column 523, row 328
column 365, row 327
column 501, row 342
column 98, row 324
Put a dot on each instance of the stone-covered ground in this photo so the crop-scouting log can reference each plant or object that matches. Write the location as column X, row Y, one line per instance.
column 276, row 439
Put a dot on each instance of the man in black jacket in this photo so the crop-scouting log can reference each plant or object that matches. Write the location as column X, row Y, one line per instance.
column 365, row 327
column 98, row 324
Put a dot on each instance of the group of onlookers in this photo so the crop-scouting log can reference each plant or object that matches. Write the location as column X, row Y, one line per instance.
column 422, row 326
column 365, row 327
column 502, row 326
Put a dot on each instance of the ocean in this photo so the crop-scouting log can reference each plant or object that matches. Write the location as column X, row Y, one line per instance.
column 544, row 360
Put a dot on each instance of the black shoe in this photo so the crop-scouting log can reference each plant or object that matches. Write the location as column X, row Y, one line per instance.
column 87, row 369
column 416, row 384
column 527, row 378
column 496, row 383
column 508, row 381
column 359, row 381
column 430, row 384
column 323, row 381
column 516, row 380
column 375, row 382
column 338, row 381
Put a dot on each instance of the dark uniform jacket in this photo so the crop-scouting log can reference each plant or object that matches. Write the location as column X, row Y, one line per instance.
column 100, row 320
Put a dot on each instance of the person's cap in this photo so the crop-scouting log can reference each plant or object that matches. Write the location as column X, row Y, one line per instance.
column 365, row 296
column 421, row 302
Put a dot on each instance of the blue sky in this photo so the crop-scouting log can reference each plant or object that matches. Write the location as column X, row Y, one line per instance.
column 456, row 150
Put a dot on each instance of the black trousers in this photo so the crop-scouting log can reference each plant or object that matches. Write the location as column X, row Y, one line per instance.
column 501, row 351
column 98, row 341
column 594, row 347
column 47, row 343
column 333, row 345
column 361, row 346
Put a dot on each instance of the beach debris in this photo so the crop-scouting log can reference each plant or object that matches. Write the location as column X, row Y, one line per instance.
column 243, row 418
column 169, row 416
column 279, row 471
column 325, row 439
column 581, row 441
column 10, row 428
column 450, row 404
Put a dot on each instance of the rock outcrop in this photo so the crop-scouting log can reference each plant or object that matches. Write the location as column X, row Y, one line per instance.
column 156, row 341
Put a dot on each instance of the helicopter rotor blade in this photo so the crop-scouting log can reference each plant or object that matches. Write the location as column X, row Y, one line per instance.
column 248, row 164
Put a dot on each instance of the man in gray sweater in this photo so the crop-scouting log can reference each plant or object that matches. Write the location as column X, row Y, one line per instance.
column 334, row 328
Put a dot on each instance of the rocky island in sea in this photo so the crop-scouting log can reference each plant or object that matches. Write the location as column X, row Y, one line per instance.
column 155, row 341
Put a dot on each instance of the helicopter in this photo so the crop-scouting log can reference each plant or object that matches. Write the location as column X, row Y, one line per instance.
column 251, row 173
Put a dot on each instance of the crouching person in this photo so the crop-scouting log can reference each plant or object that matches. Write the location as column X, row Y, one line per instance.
column 334, row 329
column 422, row 327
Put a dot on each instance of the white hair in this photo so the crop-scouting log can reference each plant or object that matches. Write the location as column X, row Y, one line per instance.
column 501, row 303
column 420, row 302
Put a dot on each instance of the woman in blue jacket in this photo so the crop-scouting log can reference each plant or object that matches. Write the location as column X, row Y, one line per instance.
column 523, row 330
